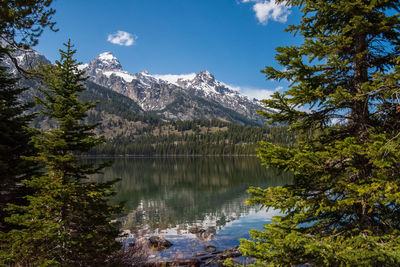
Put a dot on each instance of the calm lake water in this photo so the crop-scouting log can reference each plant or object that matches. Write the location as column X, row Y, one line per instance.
column 174, row 197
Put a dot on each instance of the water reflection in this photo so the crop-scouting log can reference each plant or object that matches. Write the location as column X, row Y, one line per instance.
column 170, row 195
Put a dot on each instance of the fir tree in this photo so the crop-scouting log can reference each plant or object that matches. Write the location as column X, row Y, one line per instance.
column 67, row 221
column 343, row 208
column 21, row 24
column 14, row 144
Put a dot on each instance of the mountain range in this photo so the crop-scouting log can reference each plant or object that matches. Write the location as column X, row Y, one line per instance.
column 169, row 97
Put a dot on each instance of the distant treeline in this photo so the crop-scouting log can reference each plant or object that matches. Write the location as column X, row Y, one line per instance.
column 198, row 137
column 131, row 131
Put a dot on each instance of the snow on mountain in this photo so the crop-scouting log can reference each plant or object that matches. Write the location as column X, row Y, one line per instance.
column 107, row 57
column 104, row 62
column 123, row 74
column 26, row 59
column 83, row 66
column 175, row 79
column 172, row 97
column 206, row 82
column 145, row 78
column 107, row 60
column 184, row 96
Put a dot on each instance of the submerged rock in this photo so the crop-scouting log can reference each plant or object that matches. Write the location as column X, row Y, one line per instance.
column 210, row 249
column 201, row 233
column 196, row 230
column 159, row 243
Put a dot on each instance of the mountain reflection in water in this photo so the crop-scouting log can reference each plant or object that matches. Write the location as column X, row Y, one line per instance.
column 170, row 196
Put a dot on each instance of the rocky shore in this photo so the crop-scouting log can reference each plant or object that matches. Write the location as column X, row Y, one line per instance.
column 145, row 251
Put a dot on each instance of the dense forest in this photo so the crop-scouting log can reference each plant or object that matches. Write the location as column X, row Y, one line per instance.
column 198, row 137
column 130, row 131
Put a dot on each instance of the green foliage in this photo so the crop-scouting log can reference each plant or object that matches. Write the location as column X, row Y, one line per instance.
column 198, row 137
column 22, row 22
column 343, row 207
column 67, row 221
column 14, row 144
column 130, row 130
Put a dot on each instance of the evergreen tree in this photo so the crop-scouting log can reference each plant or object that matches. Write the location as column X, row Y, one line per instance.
column 21, row 24
column 343, row 208
column 67, row 221
column 14, row 144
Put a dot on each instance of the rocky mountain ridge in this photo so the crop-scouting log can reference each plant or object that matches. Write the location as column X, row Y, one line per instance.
column 171, row 97
column 163, row 94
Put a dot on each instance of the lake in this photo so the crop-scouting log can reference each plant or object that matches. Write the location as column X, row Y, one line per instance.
column 191, row 201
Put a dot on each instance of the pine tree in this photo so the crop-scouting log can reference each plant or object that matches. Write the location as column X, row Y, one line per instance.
column 343, row 208
column 21, row 24
column 14, row 144
column 67, row 221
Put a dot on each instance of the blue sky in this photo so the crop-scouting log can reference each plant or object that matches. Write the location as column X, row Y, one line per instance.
column 233, row 39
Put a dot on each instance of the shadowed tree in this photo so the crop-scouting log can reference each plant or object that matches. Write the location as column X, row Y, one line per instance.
column 21, row 24
column 14, row 144
column 67, row 221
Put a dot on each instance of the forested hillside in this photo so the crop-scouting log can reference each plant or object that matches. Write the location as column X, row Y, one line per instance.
column 131, row 131
column 194, row 138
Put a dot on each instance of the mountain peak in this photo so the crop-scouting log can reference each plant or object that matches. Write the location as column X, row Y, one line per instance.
column 105, row 61
column 144, row 72
column 106, row 56
column 205, row 75
column 204, row 72
column 175, row 79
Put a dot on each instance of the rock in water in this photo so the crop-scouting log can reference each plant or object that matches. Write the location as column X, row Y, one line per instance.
column 196, row 230
column 159, row 243
column 210, row 249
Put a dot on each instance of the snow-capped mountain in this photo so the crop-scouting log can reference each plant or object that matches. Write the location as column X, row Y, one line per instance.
column 26, row 59
column 182, row 97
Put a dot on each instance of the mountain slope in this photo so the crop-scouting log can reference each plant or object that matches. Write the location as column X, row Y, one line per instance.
column 181, row 97
column 145, row 114
column 169, row 97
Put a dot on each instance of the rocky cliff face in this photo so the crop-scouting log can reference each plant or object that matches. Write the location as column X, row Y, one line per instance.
column 182, row 97
column 26, row 59
column 172, row 97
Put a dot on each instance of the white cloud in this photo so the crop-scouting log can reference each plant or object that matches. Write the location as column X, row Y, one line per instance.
column 270, row 10
column 256, row 93
column 122, row 38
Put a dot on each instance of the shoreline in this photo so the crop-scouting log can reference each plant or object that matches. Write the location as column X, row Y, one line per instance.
column 166, row 156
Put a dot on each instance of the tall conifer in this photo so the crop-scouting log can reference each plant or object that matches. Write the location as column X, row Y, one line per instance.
column 343, row 208
column 67, row 221
column 14, row 144
column 21, row 24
